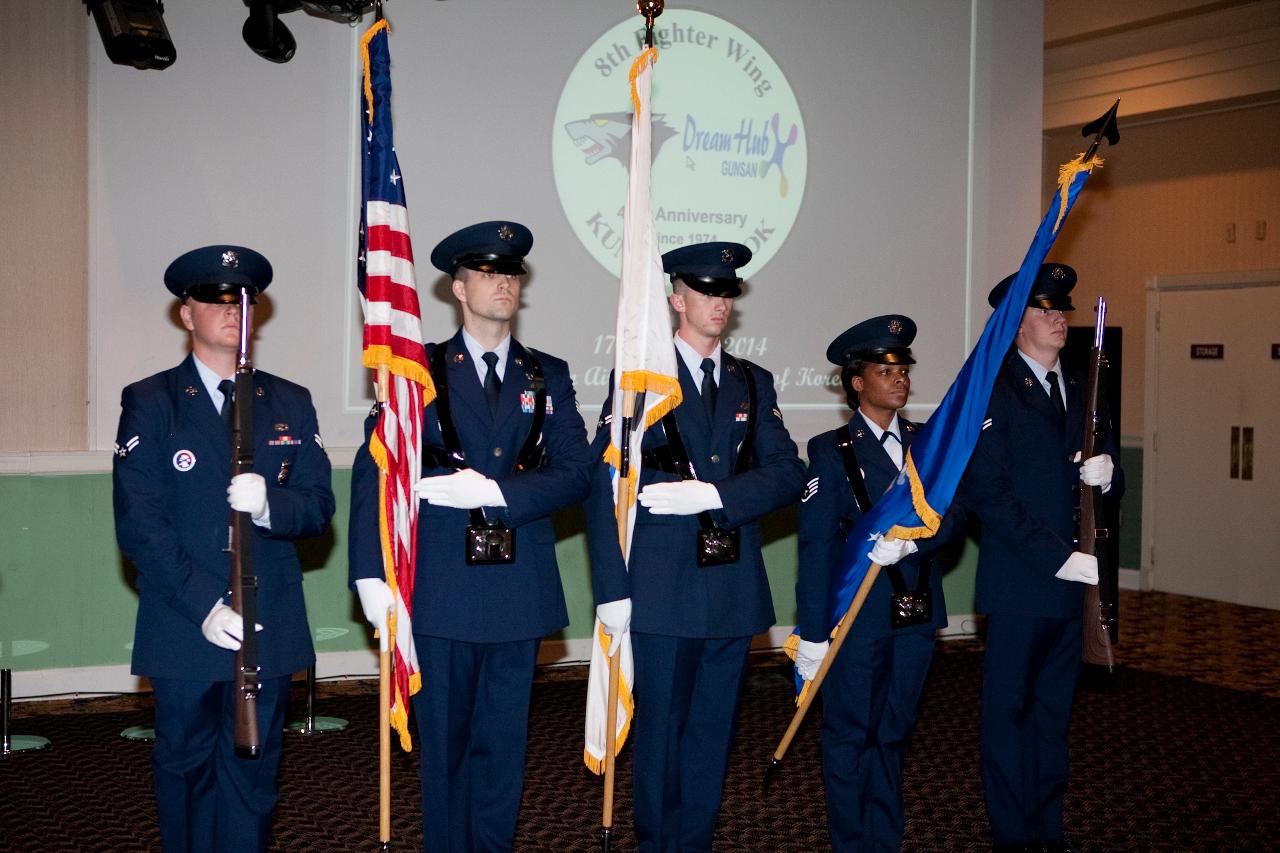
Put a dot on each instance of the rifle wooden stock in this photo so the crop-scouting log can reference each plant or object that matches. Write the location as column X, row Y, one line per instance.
column 1099, row 601
column 244, row 582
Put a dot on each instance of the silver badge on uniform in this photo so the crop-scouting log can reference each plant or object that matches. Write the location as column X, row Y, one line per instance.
column 231, row 259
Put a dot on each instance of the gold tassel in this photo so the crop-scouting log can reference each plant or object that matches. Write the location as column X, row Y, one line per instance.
column 647, row 56
column 1066, row 174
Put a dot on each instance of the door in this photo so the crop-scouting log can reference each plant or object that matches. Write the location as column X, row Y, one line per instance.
column 1215, row 461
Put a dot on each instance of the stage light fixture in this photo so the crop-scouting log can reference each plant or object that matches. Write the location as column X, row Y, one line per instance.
column 133, row 32
column 264, row 32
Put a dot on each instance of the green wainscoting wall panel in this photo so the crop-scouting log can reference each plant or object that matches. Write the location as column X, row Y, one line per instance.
column 67, row 596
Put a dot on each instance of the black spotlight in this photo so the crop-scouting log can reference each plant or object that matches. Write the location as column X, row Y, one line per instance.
column 264, row 32
column 133, row 32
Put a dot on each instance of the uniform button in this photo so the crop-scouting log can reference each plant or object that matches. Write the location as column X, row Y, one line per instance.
column 715, row 457
column 497, row 451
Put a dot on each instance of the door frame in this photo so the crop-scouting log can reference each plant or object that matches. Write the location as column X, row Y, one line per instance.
column 1157, row 285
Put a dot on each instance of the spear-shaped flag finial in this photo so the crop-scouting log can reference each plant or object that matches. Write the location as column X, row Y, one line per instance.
column 1104, row 126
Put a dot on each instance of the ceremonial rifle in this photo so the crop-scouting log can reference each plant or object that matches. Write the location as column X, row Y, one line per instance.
column 1100, row 604
column 244, row 583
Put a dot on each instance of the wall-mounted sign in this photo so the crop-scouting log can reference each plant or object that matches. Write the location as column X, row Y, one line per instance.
column 1207, row 350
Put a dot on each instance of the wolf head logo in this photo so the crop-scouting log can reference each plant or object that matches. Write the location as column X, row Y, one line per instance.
column 609, row 135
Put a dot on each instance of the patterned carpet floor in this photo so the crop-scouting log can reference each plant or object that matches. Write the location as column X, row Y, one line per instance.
column 1179, row 751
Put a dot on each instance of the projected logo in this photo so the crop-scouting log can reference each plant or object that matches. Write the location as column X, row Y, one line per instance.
column 729, row 158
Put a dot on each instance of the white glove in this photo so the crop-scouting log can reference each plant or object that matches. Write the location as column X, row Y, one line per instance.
column 465, row 489
column 886, row 552
column 809, row 657
column 685, row 497
column 224, row 627
column 1097, row 471
column 615, row 616
column 375, row 600
column 248, row 493
column 1079, row 567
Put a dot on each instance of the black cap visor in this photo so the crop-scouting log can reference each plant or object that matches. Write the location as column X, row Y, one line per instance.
column 500, row 264
column 220, row 293
column 730, row 288
column 1051, row 302
column 882, row 355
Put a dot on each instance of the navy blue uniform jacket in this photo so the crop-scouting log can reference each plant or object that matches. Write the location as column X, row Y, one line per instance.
column 670, row 594
column 1021, row 485
column 499, row 603
column 170, row 475
column 829, row 500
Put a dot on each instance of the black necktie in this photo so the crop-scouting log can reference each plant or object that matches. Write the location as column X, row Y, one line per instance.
column 492, row 384
column 884, row 440
column 1055, row 394
column 228, row 388
column 709, row 387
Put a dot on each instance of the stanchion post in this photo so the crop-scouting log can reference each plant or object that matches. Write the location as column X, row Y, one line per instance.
column 9, row 742
column 311, row 724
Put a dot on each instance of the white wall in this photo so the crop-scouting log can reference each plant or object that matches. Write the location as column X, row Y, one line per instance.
column 922, row 123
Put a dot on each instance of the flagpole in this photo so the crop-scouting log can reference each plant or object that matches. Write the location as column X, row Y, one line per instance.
column 622, row 513
column 384, row 676
column 842, row 631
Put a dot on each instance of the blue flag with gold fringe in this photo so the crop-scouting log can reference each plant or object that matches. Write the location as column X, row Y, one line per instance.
column 913, row 506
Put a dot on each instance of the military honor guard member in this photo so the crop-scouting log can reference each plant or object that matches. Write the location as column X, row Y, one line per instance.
column 173, row 494
column 718, row 462
column 1021, row 484
column 870, row 694
column 503, row 448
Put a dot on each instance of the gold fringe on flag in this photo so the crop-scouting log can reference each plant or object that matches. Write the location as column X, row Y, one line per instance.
column 920, row 503
column 596, row 765
column 1066, row 175
column 364, row 57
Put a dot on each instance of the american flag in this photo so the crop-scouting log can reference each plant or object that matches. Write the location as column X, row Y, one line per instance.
column 392, row 339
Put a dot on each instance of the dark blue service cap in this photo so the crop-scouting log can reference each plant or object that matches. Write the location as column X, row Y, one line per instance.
column 216, row 274
column 1051, row 289
column 880, row 340
column 498, row 246
column 710, row 268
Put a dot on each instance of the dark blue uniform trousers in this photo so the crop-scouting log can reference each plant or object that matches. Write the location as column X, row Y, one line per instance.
column 1028, row 684
column 686, row 700
column 473, row 726
column 869, row 704
column 206, row 797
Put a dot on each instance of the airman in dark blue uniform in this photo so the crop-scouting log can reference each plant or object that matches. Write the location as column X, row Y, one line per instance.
column 1021, row 485
column 477, row 624
column 871, row 691
column 172, row 486
column 691, row 624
